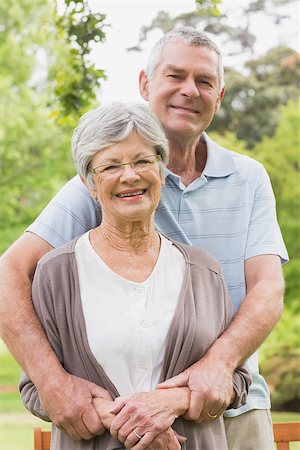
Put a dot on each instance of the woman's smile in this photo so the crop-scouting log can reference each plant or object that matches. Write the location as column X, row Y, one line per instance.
column 131, row 194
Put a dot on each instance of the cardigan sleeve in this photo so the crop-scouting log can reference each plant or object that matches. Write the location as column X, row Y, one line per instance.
column 43, row 305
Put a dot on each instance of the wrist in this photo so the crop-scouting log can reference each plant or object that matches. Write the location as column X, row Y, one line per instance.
column 219, row 357
column 179, row 400
column 51, row 380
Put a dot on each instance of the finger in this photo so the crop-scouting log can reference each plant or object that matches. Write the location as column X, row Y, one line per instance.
column 71, row 432
column 119, row 404
column 144, row 442
column 82, row 430
column 211, row 411
column 116, row 425
column 92, row 421
column 180, row 380
column 196, row 406
column 97, row 391
column 133, row 438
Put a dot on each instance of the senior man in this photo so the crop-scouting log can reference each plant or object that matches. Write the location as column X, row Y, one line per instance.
column 213, row 198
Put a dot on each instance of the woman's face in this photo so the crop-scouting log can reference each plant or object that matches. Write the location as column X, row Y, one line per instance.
column 131, row 192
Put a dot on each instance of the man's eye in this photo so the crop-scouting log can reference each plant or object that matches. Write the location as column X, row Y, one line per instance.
column 205, row 82
column 175, row 76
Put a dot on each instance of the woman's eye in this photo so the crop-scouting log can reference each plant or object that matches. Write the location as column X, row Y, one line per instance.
column 111, row 168
column 142, row 162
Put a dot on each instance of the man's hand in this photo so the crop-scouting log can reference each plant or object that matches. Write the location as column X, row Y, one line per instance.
column 211, row 389
column 69, row 406
column 143, row 416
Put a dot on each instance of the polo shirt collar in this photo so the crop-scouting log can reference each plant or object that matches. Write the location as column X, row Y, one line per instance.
column 220, row 162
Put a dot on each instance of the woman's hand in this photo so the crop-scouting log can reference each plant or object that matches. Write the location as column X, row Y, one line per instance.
column 143, row 416
column 167, row 440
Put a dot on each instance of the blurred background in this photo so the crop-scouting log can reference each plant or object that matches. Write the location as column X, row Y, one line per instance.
column 59, row 59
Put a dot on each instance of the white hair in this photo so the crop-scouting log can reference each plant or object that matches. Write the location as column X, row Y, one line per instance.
column 109, row 124
column 187, row 35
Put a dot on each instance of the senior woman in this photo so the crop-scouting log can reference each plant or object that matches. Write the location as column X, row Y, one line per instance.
column 123, row 306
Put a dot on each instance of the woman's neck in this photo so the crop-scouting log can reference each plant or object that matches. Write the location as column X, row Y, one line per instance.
column 130, row 252
column 134, row 238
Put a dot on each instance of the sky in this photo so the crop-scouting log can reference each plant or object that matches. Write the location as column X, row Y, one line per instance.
column 126, row 19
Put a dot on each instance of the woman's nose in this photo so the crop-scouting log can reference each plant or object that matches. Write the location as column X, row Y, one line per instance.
column 128, row 173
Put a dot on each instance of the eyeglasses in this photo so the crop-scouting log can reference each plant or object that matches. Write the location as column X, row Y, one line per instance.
column 138, row 165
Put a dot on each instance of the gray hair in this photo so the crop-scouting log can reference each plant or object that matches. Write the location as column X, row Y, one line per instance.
column 109, row 124
column 187, row 35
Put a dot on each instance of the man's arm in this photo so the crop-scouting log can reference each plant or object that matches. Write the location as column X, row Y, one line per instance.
column 67, row 400
column 210, row 379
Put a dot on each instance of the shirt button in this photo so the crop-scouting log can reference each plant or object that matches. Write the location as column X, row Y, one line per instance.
column 145, row 324
column 139, row 289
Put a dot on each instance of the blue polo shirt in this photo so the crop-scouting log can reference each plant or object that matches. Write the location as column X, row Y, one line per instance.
column 229, row 210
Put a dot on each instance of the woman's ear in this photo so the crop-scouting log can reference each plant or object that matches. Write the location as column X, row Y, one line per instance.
column 92, row 192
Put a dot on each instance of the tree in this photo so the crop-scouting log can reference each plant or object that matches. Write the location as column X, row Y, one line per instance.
column 249, row 107
column 46, row 82
column 254, row 92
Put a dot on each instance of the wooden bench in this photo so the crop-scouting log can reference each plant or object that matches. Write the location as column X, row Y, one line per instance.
column 42, row 439
column 284, row 434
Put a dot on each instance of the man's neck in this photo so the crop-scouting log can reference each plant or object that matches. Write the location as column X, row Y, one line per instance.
column 189, row 162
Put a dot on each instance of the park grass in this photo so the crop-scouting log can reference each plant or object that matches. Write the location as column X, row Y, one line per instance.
column 16, row 423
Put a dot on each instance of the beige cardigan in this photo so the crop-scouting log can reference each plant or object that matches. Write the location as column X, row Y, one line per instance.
column 203, row 312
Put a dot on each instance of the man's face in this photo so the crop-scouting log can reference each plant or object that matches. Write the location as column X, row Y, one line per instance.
column 184, row 91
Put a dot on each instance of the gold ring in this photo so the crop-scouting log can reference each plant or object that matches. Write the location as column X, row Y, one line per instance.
column 137, row 435
column 212, row 416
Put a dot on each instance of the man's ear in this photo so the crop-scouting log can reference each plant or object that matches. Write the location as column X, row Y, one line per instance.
column 220, row 98
column 93, row 193
column 143, row 84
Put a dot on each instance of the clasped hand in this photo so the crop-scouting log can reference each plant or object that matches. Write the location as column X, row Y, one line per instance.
column 143, row 420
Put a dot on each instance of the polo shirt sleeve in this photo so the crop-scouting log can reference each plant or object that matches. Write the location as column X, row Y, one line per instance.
column 264, row 235
column 69, row 214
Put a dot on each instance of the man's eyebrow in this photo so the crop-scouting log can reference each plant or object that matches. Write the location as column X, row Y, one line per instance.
column 208, row 76
column 175, row 68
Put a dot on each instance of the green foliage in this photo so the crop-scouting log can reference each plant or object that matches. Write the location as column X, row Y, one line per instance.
column 46, row 82
column 280, row 357
column 79, row 28
column 209, row 6
column 249, row 107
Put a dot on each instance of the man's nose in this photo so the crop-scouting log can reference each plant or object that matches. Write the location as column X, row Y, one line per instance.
column 189, row 88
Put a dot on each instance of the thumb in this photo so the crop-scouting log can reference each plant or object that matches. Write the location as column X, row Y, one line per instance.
column 97, row 391
column 181, row 439
column 180, row 380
